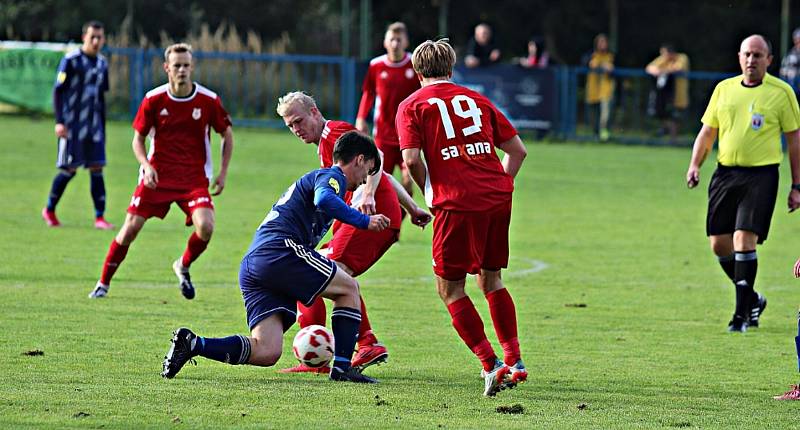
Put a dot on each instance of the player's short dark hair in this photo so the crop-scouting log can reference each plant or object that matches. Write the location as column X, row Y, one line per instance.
column 352, row 144
column 92, row 24
column 397, row 28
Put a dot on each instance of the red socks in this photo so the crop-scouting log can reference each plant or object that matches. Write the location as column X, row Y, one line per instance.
column 311, row 315
column 469, row 326
column 365, row 336
column 504, row 318
column 194, row 248
column 116, row 253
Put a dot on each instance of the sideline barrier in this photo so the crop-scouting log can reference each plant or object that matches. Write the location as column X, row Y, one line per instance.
column 549, row 102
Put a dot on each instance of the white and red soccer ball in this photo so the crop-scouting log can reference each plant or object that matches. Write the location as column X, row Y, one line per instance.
column 313, row 346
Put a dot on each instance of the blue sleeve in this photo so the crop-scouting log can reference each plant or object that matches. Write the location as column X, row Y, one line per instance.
column 327, row 197
column 105, row 86
column 62, row 83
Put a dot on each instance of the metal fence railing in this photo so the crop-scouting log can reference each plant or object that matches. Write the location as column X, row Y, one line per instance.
column 250, row 84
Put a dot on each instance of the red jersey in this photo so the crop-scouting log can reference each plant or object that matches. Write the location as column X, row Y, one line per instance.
column 389, row 84
column 179, row 130
column 386, row 201
column 457, row 129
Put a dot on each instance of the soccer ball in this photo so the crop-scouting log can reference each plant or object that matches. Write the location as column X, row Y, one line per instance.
column 313, row 346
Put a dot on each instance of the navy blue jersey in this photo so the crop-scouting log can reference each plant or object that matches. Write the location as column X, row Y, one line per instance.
column 78, row 96
column 304, row 213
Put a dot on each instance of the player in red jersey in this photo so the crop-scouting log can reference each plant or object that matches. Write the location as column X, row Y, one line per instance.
column 390, row 79
column 352, row 249
column 177, row 117
column 469, row 190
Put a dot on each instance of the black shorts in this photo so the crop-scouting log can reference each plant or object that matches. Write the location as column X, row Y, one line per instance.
column 742, row 198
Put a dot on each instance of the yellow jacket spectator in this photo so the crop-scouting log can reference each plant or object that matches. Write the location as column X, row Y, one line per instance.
column 600, row 85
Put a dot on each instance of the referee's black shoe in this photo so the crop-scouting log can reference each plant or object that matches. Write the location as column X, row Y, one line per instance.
column 737, row 324
column 758, row 306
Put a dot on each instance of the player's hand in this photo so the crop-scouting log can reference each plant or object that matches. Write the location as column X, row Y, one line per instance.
column 794, row 200
column 150, row 178
column 61, row 130
column 420, row 218
column 797, row 268
column 367, row 204
column 692, row 177
column 362, row 126
column 218, row 185
column 378, row 222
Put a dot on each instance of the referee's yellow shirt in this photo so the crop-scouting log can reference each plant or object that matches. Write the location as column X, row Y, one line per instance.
column 751, row 119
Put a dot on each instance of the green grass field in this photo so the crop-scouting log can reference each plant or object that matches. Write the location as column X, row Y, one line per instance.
column 609, row 227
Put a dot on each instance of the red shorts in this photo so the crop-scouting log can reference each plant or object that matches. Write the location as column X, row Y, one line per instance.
column 148, row 203
column 359, row 249
column 392, row 156
column 466, row 242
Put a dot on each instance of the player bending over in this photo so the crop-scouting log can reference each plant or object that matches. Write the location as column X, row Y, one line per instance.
column 281, row 268
column 353, row 250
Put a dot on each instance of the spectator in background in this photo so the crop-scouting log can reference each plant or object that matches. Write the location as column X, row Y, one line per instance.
column 481, row 50
column 600, row 84
column 670, row 97
column 790, row 66
column 537, row 54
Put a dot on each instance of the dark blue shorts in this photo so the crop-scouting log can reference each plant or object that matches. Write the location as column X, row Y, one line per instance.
column 274, row 277
column 74, row 153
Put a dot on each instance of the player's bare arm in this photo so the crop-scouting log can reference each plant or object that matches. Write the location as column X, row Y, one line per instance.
column 515, row 154
column 793, row 145
column 361, row 125
column 413, row 159
column 150, row 176
column 367, row 98
column 419, row 216
column 227, row 152
column 367, row 204
column 702, row 147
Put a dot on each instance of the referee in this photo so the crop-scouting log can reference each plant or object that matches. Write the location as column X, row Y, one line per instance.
column 748, row 113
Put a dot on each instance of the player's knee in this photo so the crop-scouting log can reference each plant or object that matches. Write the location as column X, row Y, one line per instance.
column 353, row 288
column 721, row 247
column 205, row 229
column 96, row 169
column 204, row 226
column 69, row 171
column 489, row 281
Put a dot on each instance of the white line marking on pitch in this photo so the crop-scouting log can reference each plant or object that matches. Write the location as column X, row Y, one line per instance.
column 532, row 266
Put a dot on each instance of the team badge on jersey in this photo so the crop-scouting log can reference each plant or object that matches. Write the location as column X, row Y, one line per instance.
column 62, row 76
column 384, row 74
column 756, row 121
column 334, row 183
column 196, row 113
column 409, row 73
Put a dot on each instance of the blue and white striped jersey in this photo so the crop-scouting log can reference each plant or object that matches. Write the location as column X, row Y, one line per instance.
column 78, row 95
